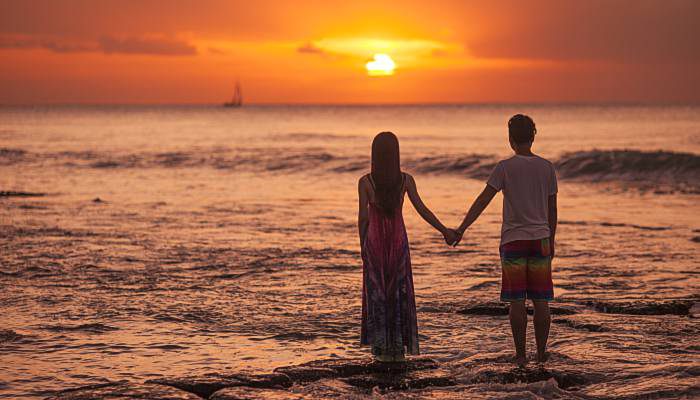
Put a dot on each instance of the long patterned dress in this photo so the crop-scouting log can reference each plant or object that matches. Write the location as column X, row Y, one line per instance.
column 389, row 321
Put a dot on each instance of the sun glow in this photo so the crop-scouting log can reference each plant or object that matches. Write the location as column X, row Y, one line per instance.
column 381, row 65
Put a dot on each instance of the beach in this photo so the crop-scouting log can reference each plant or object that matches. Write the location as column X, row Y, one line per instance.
column 157, row 242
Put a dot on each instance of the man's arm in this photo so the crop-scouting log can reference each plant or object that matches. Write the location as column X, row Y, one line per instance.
column 552, row 219
column 479, row 205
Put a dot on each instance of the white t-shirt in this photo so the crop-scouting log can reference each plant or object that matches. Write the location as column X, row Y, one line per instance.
column 527, row 182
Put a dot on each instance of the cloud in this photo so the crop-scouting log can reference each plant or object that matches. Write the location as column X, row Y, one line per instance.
column 107, row 44
column 310, row 48
column 622, row 30
column 617, row 31
column 146, row 45
column 216, row 50
column 55, row 45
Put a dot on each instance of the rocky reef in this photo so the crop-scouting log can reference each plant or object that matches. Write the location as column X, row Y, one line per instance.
column 342, row 378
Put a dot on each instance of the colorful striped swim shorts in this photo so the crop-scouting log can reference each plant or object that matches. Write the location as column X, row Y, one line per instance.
column 526, row 270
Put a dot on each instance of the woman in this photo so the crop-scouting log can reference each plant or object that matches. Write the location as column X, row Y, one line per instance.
column 388, row 304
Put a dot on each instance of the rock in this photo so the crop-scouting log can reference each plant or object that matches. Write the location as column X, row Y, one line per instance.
column 557, row 311
column 581, row 325
column 124, row 390
column 673, row 307
column 206, row 385
column 694, row 311
column 506, row 375
column 248, row 393
column 321, row 369
column 499, row 308
column 97, row 200
column 402, row 381
column 325, row 389
column 273, row 380
column 305, row 374
column 485, row 309
column 7, row 335
column 696, row 239
column 364, row 373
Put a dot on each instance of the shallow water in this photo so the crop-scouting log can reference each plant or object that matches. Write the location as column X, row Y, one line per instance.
column 225, row 240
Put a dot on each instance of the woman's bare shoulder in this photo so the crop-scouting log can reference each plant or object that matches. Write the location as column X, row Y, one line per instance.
column 363, row 182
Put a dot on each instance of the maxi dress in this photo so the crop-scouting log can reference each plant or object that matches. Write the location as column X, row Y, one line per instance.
column 389, row 323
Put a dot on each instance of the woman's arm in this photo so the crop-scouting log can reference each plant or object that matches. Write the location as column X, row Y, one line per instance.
column 425, row 212
column 362, row 215
column 476, row 209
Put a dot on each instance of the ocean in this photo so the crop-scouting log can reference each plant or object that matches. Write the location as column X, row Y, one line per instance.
column 145, row 242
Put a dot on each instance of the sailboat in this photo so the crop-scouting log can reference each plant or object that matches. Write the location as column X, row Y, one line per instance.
column 237, row 99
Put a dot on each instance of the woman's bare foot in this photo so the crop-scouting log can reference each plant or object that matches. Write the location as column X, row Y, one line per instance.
column 520, row 360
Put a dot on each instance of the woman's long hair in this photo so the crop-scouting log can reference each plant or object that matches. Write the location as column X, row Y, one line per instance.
column 386, row 172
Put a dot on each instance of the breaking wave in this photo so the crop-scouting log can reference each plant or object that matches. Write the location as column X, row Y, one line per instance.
column 657, row 169
column 631, row 165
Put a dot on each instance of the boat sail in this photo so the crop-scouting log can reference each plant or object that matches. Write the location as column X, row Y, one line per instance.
column 237, row 99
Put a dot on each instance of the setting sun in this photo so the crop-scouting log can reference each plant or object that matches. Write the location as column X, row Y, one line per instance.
column 381, row 65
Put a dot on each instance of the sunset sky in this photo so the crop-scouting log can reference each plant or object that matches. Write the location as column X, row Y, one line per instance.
column 177, row 51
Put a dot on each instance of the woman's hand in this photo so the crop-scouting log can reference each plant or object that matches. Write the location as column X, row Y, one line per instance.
column 451, row 236
column 459, row 234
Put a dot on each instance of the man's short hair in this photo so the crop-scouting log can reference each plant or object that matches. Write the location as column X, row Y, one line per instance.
column 521, row 129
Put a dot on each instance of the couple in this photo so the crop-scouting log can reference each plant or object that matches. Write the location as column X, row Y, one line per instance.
column 529, row 188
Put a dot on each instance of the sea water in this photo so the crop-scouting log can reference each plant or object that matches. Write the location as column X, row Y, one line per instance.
column 174, row 240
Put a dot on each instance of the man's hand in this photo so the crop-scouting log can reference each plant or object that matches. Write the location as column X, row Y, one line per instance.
column 458, row 238
column 551, row 247
column 451, row 237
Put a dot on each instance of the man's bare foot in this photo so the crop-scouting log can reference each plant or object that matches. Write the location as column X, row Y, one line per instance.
column 520, row 360
column 383, row 358
column 542, row 358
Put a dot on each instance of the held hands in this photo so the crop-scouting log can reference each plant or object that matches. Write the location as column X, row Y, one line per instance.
column 452, row 237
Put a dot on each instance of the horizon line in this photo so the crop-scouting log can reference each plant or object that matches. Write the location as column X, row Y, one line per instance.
column 358, row 104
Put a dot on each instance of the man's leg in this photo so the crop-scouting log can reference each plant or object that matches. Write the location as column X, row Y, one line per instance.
column 513, row 290
column 541, row 290
column 518, row 325
column 542, row 322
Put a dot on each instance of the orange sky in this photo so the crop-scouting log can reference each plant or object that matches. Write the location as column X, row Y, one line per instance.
column 177, row 51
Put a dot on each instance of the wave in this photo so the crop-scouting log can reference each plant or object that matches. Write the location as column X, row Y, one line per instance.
column 630, row 165
column 89, row 327
column 476, row 166
column 273, row 160
column 658, row 170
column 20, row 194
column 312, row 136
column 11, row 156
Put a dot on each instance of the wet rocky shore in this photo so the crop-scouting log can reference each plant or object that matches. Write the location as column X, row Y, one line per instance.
column 333, row 378
column 488, row 375
column 418, row 378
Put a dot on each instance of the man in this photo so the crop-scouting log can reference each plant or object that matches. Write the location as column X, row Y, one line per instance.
column 529, row 186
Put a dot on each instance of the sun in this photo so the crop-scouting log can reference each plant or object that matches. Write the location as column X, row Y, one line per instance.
column 381, row 65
